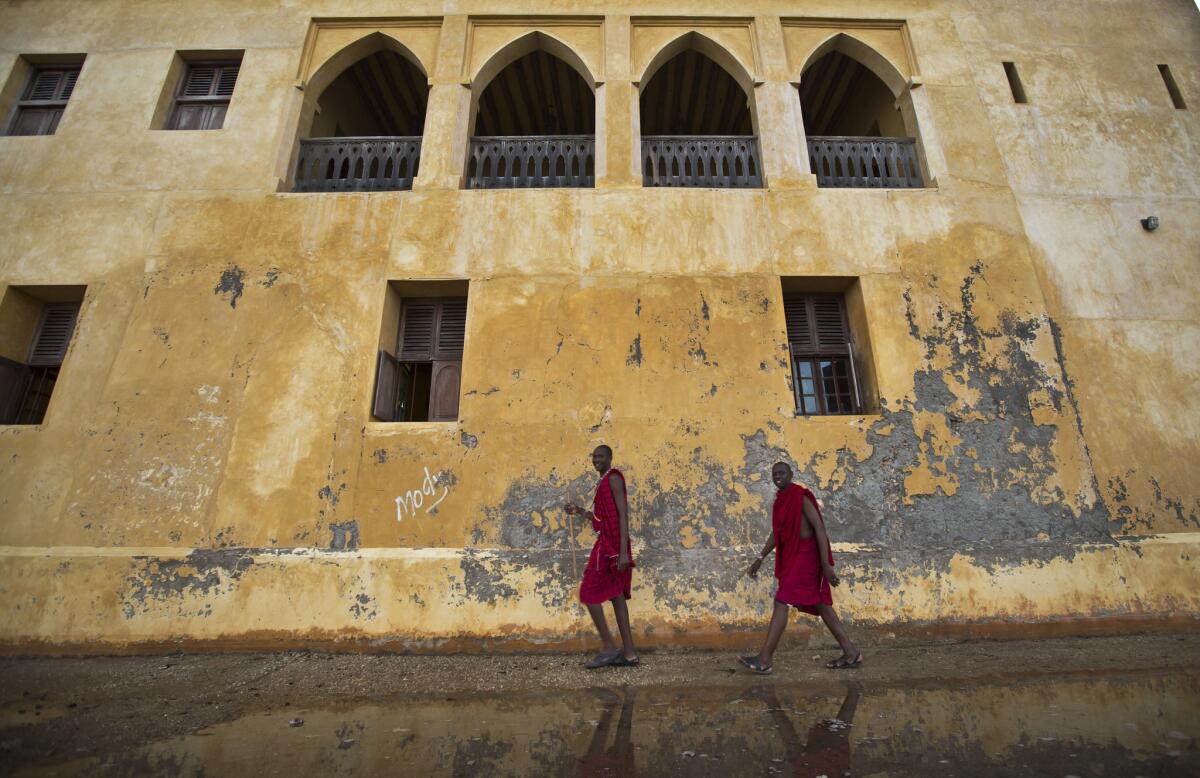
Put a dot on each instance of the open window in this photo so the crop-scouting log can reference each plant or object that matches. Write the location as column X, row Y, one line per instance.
column 697, row 119
column 858, row 120
column 831, row 367
column 418, row 372
column 533, row 119
column 45, row 88
column 36, row 325
column 364, row 132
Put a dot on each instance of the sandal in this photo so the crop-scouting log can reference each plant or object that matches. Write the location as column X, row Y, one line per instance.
column 603, row 660
column 842, row 664
column 757, row 667
column 621, row 661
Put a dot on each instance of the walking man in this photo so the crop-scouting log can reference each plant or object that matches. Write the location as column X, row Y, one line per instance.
column 609, row 573
column 804, row 569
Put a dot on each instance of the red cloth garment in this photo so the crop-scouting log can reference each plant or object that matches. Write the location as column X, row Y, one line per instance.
column 601, row 580
column 802, row 584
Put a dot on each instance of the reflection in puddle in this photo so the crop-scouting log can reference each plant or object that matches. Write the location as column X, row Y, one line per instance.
column 1129, row 725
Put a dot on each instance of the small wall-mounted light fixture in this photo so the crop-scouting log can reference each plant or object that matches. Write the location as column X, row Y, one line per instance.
column 1150, row 223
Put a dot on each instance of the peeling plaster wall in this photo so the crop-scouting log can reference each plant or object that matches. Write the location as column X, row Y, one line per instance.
column 209, row 470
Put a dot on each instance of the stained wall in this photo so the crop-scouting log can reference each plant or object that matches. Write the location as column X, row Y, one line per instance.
column 209, row 472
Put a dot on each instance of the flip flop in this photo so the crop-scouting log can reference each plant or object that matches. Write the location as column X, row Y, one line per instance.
column 841, row 664
column 603, row 660
column 757, row 667
column 621, row 661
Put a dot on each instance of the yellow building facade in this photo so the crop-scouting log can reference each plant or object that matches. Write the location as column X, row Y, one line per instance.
column 942, row 256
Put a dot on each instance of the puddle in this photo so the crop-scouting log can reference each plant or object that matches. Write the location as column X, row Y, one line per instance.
column 1119, row 725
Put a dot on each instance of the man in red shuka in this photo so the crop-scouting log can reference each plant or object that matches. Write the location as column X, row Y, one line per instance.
column 804, row 569
column 609, row 572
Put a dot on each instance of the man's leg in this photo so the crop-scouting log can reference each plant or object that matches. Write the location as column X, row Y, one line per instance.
column 779, row 620
column 621, row 610
column 830, row 617
column 607, row 646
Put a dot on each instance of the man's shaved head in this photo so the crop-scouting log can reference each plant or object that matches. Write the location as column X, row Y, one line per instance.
column 602, row 458
column 781, row 475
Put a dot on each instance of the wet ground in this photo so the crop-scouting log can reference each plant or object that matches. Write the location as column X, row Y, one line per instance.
column 1099, row 706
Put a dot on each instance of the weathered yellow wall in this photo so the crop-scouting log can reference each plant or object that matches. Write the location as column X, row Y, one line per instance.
column 208, row 468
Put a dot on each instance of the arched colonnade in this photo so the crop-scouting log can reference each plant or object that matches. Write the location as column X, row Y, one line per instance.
column 535, row 106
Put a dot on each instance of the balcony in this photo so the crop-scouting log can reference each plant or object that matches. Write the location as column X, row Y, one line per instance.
column 865, row 163
column 532, row 162
column 724, row 162
column 363, row 164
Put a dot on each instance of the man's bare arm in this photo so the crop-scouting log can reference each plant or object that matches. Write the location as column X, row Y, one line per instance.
column 818, row 528
column 770, row 545
column 618, row 492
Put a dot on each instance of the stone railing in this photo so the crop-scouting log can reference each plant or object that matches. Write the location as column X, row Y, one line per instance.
column 531, row 161
column 864, row 163
column 363, row 164
column 726, row 162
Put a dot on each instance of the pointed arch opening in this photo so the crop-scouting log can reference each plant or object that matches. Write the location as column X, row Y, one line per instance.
column 859, row 134
column 361, row 130
column 697, row 118
column 533, row 118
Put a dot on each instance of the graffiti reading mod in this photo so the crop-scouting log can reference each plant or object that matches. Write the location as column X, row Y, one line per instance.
column 414, row 499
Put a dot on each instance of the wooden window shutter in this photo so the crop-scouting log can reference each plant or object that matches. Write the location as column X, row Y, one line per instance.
column 799, row 331
column 226, row 79
column 210, row 80
column 816, row 324
column 68, row 87
column 45, row 85
column 51, row 85
column 387, row 375
column 199, row 80
column 829, row 317
column 54, row 334
column 418, row 324
column 444, row 389
column 452, row 328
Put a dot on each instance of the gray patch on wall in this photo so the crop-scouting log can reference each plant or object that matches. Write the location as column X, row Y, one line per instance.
column 345, row 536
column 635, row 352
column 202, row 572
column 993, row 500
column 232, row 283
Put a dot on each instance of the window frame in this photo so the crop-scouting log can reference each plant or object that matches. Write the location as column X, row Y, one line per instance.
column 210, row 101
column 55, row 107
column 393, row 392
column 836, row 349
column 27, row 400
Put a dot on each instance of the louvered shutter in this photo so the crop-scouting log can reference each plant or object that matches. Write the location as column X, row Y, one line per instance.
column 199, row 81
column 45, row 85
column 816, row 324
column 417, row 327
column 204, row 94
column 830, row 320
column 451, row 329
column 54, row 334
column 68, row 86
column 799, row 331
column 226, row 79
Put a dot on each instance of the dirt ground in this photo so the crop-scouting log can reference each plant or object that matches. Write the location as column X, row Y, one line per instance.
column 56, row 707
